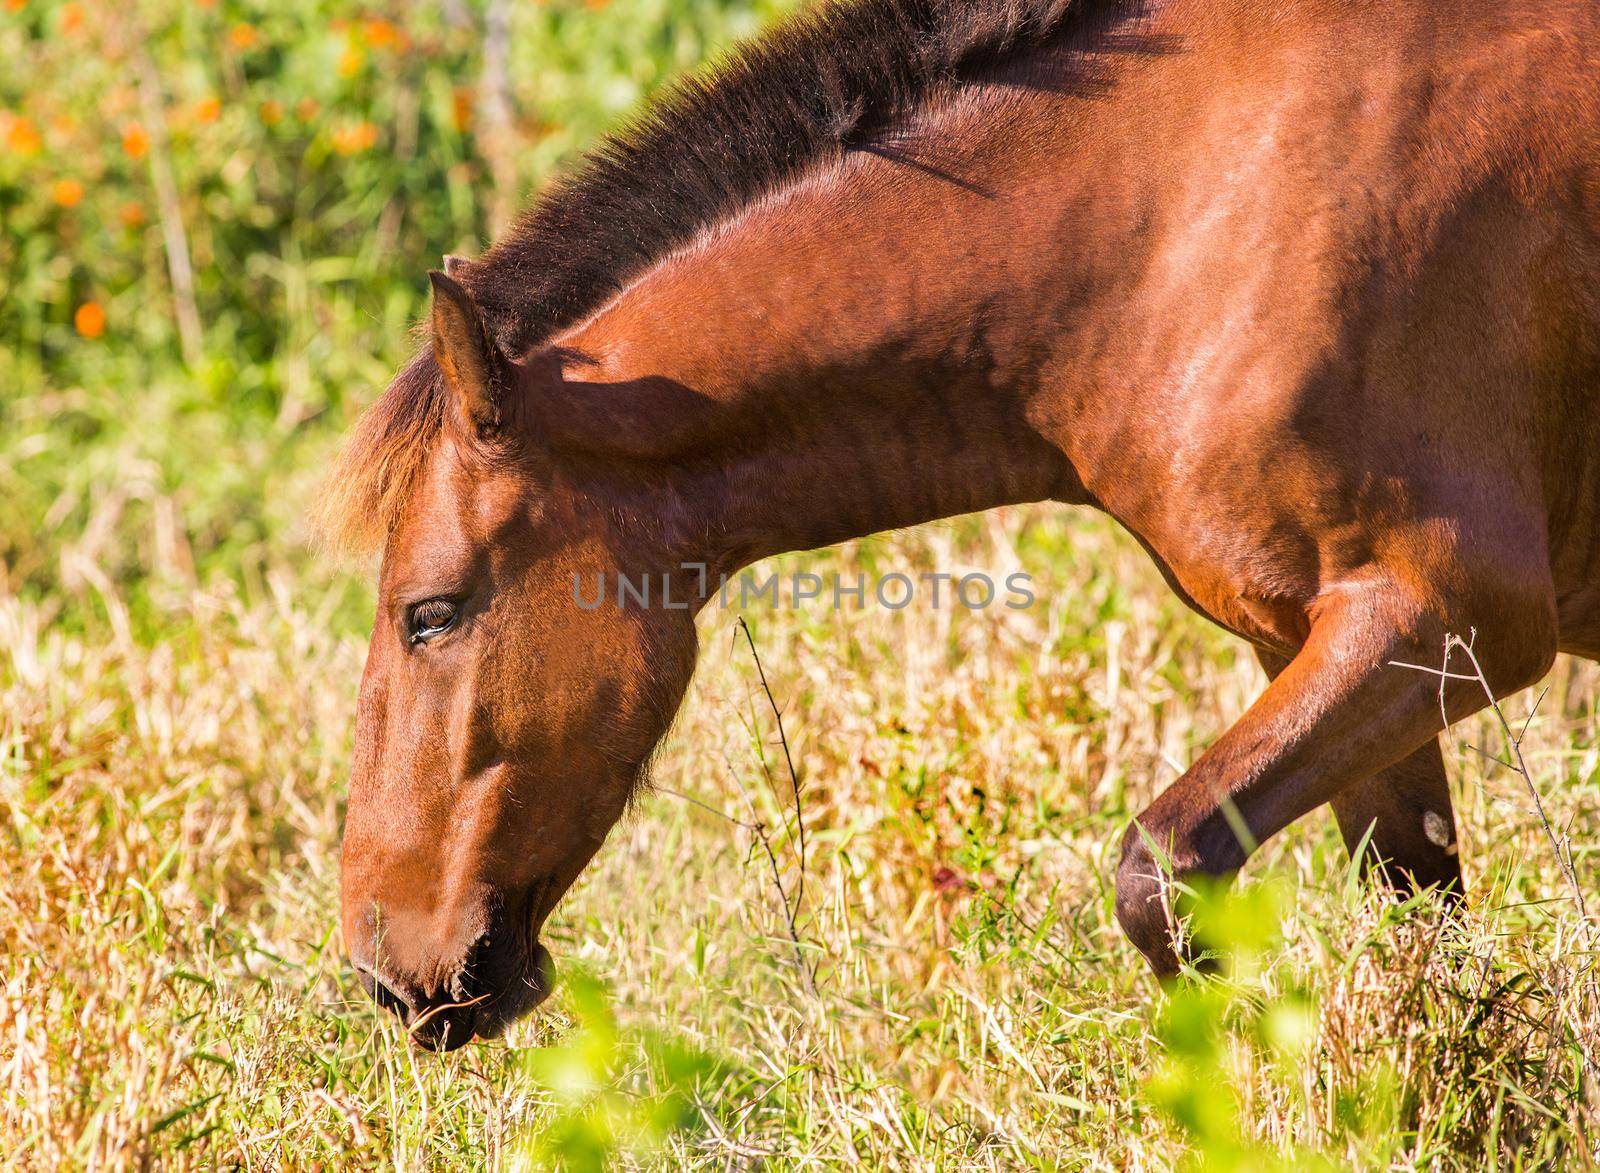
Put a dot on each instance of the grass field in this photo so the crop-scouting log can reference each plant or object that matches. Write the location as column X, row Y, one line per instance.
column 939, row 983
column 173, row 985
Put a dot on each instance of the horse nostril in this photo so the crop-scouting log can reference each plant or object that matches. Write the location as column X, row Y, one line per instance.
column 386, row 995
column 480, row 958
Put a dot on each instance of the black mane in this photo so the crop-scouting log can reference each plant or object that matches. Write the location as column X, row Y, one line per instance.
column 830, row 79
column 825, row 81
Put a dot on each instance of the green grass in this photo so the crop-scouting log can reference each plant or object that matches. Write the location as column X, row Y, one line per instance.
column 177, row 681
column 173, row 984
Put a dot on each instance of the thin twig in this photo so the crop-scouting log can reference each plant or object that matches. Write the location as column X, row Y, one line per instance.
column 758, row 831
column 497, row 135
column 1514, row 743
column 1517, row 764
column 790, row 908
column 788, row 759
column 705, row 806
column 185, row 309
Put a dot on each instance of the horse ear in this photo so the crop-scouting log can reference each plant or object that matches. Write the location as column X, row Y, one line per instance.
column 473, row 367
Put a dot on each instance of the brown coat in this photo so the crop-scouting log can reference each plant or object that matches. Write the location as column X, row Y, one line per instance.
column 1305, row 293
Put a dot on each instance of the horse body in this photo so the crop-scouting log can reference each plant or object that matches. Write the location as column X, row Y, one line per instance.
column 1307, row 298
column 1094, row 303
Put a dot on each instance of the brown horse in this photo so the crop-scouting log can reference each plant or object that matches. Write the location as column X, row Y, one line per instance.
column 1304, row 293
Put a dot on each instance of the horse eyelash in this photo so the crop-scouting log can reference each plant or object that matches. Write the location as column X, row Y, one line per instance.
column 417, row 614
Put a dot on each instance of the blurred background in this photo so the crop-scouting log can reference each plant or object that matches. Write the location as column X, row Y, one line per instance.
column 215, row 223
column 215, row 226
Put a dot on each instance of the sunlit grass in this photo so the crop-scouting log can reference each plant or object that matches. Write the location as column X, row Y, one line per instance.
column 174, row 987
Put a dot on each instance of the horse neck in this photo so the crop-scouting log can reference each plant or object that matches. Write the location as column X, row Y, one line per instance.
column 858, row 354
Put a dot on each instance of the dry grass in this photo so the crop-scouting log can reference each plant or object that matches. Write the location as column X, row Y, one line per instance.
column 173, row 988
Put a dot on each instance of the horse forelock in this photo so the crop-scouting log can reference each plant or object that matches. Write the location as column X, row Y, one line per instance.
column 376, row 470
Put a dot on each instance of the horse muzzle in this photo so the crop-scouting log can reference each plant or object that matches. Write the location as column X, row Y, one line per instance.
column 496, row 982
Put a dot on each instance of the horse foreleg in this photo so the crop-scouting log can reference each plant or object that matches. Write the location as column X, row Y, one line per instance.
column 1339, row 714
column 1400, row 819
column 1404, row 817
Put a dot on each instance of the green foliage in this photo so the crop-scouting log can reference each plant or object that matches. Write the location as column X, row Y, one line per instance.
column 323, row 155
column 1217, row 1030
column 598, row 1118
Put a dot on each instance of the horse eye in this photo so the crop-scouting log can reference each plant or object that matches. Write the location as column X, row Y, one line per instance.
column 430, row 618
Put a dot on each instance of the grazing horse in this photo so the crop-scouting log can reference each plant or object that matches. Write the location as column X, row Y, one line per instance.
column 1304, row 293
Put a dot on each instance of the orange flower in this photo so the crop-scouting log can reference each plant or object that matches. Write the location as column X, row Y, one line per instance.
column 208, row 109
column 306, row 109
column 461, row 108
column 21, row 135
column 352, row 140
column 351, row 61
column 71, row 17
column 135, row 142
column 90, row 320
column 380, row 34
column 243, row 36
column 271, row 112
column 16, row 5
column 131, row 215
column 67, row 192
